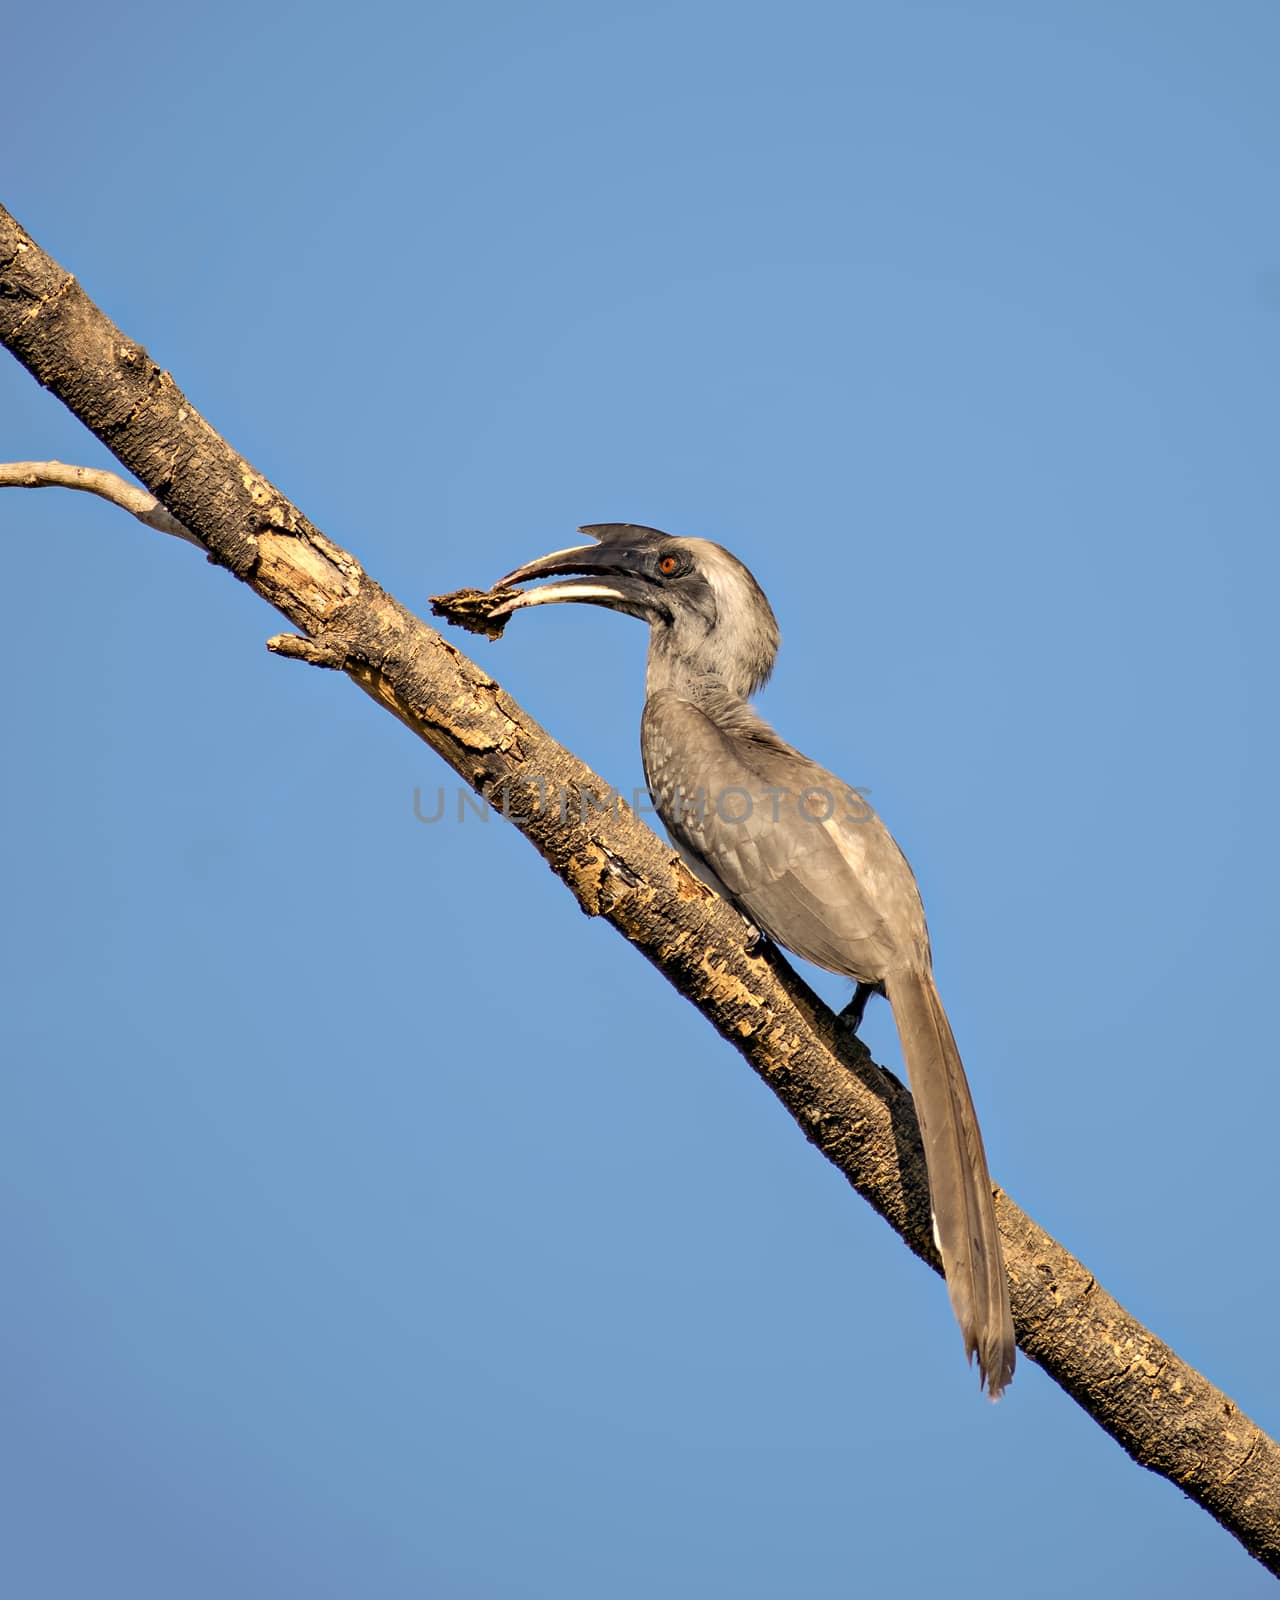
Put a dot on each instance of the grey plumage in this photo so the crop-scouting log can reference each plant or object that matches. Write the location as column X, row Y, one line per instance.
column 799, row 852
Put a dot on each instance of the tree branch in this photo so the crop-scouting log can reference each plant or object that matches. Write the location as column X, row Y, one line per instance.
column 95, row 480
column 1163, row 1412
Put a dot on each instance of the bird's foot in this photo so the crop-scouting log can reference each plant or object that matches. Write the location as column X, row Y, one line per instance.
column 852, row 1014
column 757, row 940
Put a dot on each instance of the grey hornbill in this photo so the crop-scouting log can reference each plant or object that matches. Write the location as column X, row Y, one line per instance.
column 797, row 851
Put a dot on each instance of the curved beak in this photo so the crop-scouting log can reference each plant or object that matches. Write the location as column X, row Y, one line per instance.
column 600, row 574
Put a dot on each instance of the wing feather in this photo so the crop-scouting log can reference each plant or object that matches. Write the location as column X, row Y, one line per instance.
column 798, row 851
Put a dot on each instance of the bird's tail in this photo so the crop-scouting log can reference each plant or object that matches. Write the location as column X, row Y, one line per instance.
column 964, row 1217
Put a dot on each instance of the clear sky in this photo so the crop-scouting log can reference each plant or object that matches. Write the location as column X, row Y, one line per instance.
column 372, row 1223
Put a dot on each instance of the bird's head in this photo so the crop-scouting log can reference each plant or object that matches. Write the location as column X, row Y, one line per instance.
column 708, row 617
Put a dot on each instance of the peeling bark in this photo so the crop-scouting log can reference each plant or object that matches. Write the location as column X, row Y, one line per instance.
column 1164, row 1413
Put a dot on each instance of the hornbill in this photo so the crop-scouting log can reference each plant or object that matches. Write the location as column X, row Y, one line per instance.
column 801, row 855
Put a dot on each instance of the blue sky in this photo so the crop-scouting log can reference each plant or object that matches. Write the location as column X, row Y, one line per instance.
column 374, row 1224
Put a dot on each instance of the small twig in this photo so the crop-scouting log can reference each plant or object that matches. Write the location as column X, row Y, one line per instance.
column 316, row 652
column 95, row 480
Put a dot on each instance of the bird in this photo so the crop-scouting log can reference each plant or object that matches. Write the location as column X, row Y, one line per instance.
column 802, row 855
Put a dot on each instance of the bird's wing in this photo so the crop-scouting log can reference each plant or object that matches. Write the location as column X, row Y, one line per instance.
column 802, row 854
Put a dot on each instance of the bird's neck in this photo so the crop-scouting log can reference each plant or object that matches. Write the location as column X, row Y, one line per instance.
column 702, row 677
column 688, row 680
column 720, row 702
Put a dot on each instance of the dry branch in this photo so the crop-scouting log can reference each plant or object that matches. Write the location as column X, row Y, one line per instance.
column 1163, row 1412
column 95, row 480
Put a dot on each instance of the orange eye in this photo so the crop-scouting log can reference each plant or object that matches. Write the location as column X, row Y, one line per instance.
column 668, row 565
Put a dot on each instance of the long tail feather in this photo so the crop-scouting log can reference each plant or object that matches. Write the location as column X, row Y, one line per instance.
column 964, row 1218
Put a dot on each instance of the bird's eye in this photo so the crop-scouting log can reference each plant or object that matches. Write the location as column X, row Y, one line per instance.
column 668, row 565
